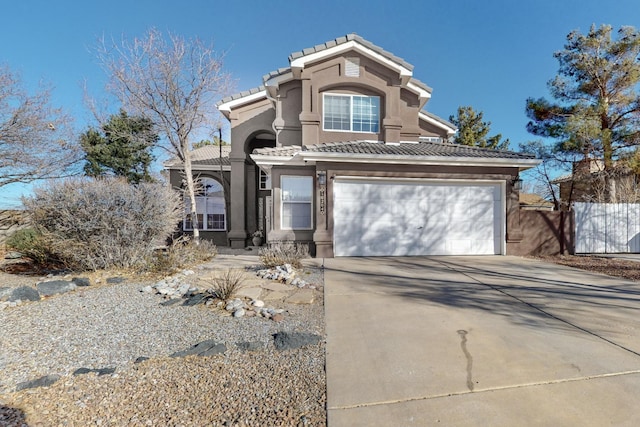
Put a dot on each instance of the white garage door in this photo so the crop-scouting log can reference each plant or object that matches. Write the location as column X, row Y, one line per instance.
column 401, row 217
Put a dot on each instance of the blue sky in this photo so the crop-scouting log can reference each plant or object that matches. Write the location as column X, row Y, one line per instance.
column 491, row 55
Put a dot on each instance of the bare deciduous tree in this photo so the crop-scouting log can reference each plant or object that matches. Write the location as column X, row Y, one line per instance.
column 36, row 139
column 172, row 81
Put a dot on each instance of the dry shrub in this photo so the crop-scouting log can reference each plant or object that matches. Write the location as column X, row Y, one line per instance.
column 280, row 253
column 105, row 223
column 226, row 283
column 183, row 252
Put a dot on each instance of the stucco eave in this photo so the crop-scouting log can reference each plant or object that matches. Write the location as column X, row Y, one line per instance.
column 226, row 107
column 261, row 160
column 196, row 167
column 521, row 164
column 302, row 159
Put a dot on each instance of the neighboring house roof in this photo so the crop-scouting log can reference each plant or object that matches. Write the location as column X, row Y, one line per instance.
column 205, row 158
column 562, row 178
column 404, row 152
column 534, row 200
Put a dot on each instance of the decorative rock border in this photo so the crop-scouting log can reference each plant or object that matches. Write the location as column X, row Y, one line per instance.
column 178, row 288
column 12, row 297
column 282, row 340
column 285, row 274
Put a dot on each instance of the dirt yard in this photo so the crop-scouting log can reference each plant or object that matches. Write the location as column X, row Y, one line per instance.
column 611, row 266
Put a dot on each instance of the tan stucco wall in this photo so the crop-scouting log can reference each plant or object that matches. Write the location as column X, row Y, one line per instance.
column 300, row 104
column 544, row 233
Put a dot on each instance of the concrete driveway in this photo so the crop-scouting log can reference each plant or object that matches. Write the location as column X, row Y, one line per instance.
column 479, row 341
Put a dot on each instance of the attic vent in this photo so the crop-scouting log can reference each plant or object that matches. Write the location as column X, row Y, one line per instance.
column 352, row 67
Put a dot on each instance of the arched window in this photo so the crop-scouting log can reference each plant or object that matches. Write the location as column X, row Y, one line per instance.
column 210, row 207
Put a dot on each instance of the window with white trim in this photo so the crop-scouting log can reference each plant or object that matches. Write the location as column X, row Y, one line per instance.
column 265, row 180
column 296, row 198
column 352, row 113
column 210, row 207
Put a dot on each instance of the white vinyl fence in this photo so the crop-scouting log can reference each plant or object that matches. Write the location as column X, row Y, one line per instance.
column 607, row 227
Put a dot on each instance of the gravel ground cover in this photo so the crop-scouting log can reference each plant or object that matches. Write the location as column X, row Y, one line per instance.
column 616, row 267
column 110, row 326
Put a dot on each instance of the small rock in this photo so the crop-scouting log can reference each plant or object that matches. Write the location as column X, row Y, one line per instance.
column 115, row 280
column 204, row 348
column 250, row 345
column 13, row 255
column 257, row 303
column 5, row 293
column 239, row 312
column 54, row 287
column 24, row 293
column 278, row 317
column 147, row 289
column 81, row 281
column 100, row 371
column 194, row 299
column 293, row 340
column 45, row 381
column 141, row 359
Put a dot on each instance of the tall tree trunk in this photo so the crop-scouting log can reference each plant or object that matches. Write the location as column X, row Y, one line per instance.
column 607, row 151
column 191, row 193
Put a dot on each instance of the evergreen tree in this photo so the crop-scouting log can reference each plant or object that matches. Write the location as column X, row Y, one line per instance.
column 596, row 106
column 122, row 147
column 473, row 131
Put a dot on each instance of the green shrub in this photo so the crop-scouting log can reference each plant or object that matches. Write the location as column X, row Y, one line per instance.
column 280, row 253
column 30, row 243
column 104, row 223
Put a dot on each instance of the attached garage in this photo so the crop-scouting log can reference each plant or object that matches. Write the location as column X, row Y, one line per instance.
column 400, row 217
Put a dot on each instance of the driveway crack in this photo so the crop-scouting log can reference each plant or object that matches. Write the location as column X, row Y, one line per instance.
column 467, row 355
column 546, row 313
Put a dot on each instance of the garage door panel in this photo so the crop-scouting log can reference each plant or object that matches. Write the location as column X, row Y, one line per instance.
column 404, row 218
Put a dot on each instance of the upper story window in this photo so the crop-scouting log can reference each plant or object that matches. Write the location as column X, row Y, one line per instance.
column 351, row 113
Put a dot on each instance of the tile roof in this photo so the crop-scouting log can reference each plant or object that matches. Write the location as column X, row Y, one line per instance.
column 210, row 155
column 240, row 95
column 424, row 149
column 320, row 48
column 207, row 155
column 348, row 38
column 438, row 119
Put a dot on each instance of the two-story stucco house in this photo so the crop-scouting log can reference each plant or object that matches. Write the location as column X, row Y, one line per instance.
column 337, row 151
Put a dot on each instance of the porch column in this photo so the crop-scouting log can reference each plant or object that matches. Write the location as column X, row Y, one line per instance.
column 514, row 228
column 322, row 237
column 237, row 216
